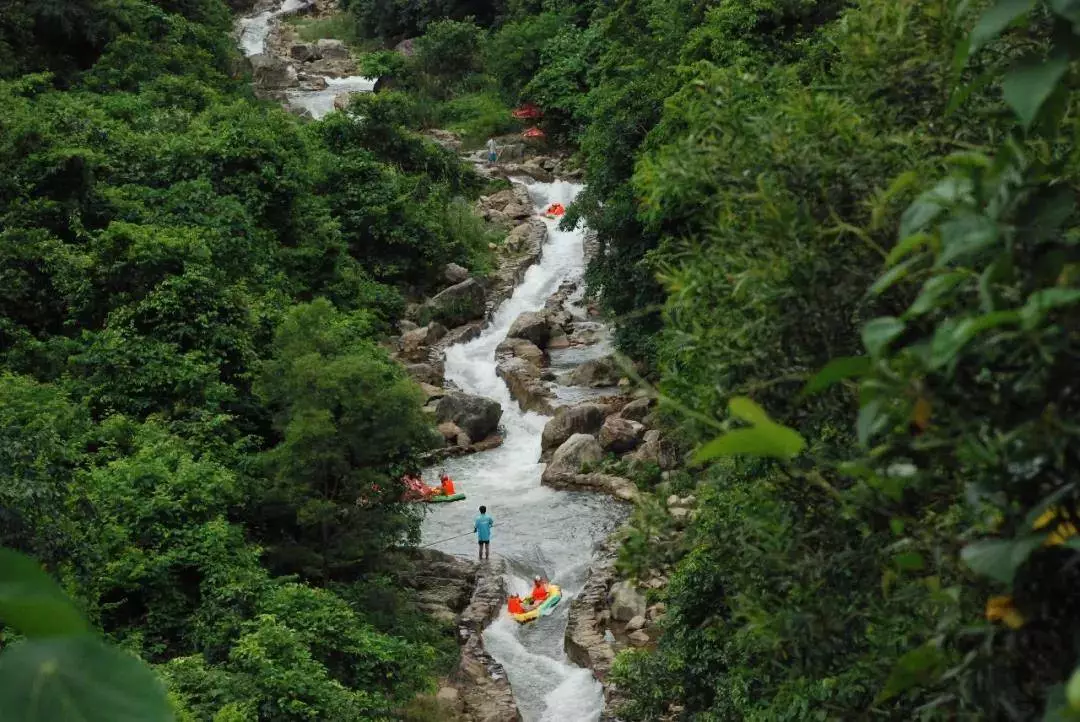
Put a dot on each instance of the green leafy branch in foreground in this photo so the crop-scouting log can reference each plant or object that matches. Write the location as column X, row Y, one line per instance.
column 62, row 670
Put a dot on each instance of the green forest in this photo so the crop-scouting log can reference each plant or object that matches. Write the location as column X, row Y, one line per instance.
column 838, row 239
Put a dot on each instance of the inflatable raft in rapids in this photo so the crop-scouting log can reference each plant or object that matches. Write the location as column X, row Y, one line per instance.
column 545, row 608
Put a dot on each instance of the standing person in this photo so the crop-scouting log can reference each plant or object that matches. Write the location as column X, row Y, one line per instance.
column 493, row 150
column 482, row 527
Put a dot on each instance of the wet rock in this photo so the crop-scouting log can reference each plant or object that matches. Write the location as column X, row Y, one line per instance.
column 516, row 211
column 476, row 416
column 523, row 379
column 332, row 49
column 597, row 373
column 584, row 418
column 453, row 434
column 425, row 373
column 484, row 686
column 610, row 484
column 461, row 334
column 432, row 392
column 270, row 72
column 637, row 409
column 620, row 435
column 569, row 458
column 454, row 274
column 416, row 344
column 522, row 349
column 626, row 602
column 305, row 52
column 459, row 304
column 636, row 623
column 531, row 326
column 585, row 641
column 559, row 339
column 638, row 638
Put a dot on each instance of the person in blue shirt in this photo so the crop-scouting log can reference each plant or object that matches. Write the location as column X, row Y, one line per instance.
column 482, row 527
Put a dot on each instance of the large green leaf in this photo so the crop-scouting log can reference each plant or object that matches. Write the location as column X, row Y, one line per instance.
column 1068, row 9
column 78, row 679
column 962, row 236
column 769, row 440
column 897, row 273
column 1042, row 302
column 31, row 602
column 1027, row 87
column 747, row 410
column 877, row 334
column 952, row 335
column 917, row 667
column 998, row 17
column 933, row 291
column 836, row 370
column 998, row 559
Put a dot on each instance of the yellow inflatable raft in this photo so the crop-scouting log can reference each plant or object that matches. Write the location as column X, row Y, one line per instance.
column 545, row 608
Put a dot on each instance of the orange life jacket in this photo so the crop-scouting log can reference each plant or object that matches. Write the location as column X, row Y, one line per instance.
column 539, row 593
column 448, row 486
column 514, row 606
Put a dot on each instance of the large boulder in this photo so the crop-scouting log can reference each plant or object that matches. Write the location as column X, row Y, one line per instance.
column 425, row 373
column 416, row 344
column 620, row 435
column 626, row 602
column 654, row 449
column 569, row 458
column 459, row 304
column 596, row 373
column 637, row 410
column 569, row 420
column 525, row 384
column 476, row 416
column 305, row 52
column 584, row 640
column 610, row 484
column 531, row 326
column 272, row 73
column 332, row 49
column 522, row 349
column 453, row 273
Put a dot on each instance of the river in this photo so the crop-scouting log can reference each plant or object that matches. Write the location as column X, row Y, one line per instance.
column 537, row 530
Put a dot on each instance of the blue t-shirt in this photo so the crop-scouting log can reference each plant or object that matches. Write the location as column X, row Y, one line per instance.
column 482, row 527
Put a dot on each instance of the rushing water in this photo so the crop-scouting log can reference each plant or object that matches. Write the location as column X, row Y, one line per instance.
column 254, row 31
column 537, row 530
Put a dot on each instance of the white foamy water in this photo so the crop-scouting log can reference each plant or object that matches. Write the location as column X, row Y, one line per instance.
column 254, row 29
column 537, row 530
column 321, row 102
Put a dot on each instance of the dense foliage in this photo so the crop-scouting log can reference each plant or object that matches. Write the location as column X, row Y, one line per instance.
column 763, row 180
column 200, row 435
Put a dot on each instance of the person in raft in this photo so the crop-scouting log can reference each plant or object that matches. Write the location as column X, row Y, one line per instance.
column 447, row 485
column 482, row 527
column 539, row 591
column 514, row 605
column 492, row 150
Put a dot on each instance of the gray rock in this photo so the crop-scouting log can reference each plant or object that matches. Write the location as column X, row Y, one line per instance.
column 626, row 602
column 332, row 49
column 425, row 373
column 559, row 339
column 636, row 623
column 585, row 641
column 416, row 344
column 531, row 326
column 656, row 611
column 637, row 409
column 526, row 386
column 272, row 73
column 569, row 420
column 522, row 349
column 597, row 373
column 476, row 416
column 615, row 486
column 620, row 435
column 638, row 638
column 405, row 325
column 655, row 450
column 305, row 52
column 568, row 459
column 453, row 273
column 459, row 304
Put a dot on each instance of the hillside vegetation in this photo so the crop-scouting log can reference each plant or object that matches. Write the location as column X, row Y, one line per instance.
column 200, row 436
column 882, row 191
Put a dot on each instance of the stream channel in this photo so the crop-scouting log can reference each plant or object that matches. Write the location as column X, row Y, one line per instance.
column 537, row 530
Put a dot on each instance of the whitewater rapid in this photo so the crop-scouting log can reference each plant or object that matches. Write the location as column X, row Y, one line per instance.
column 537, row 530
column 253, row 31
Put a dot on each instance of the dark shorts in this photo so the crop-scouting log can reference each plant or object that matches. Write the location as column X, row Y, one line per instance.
column 492, row 157
column 482, row 543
